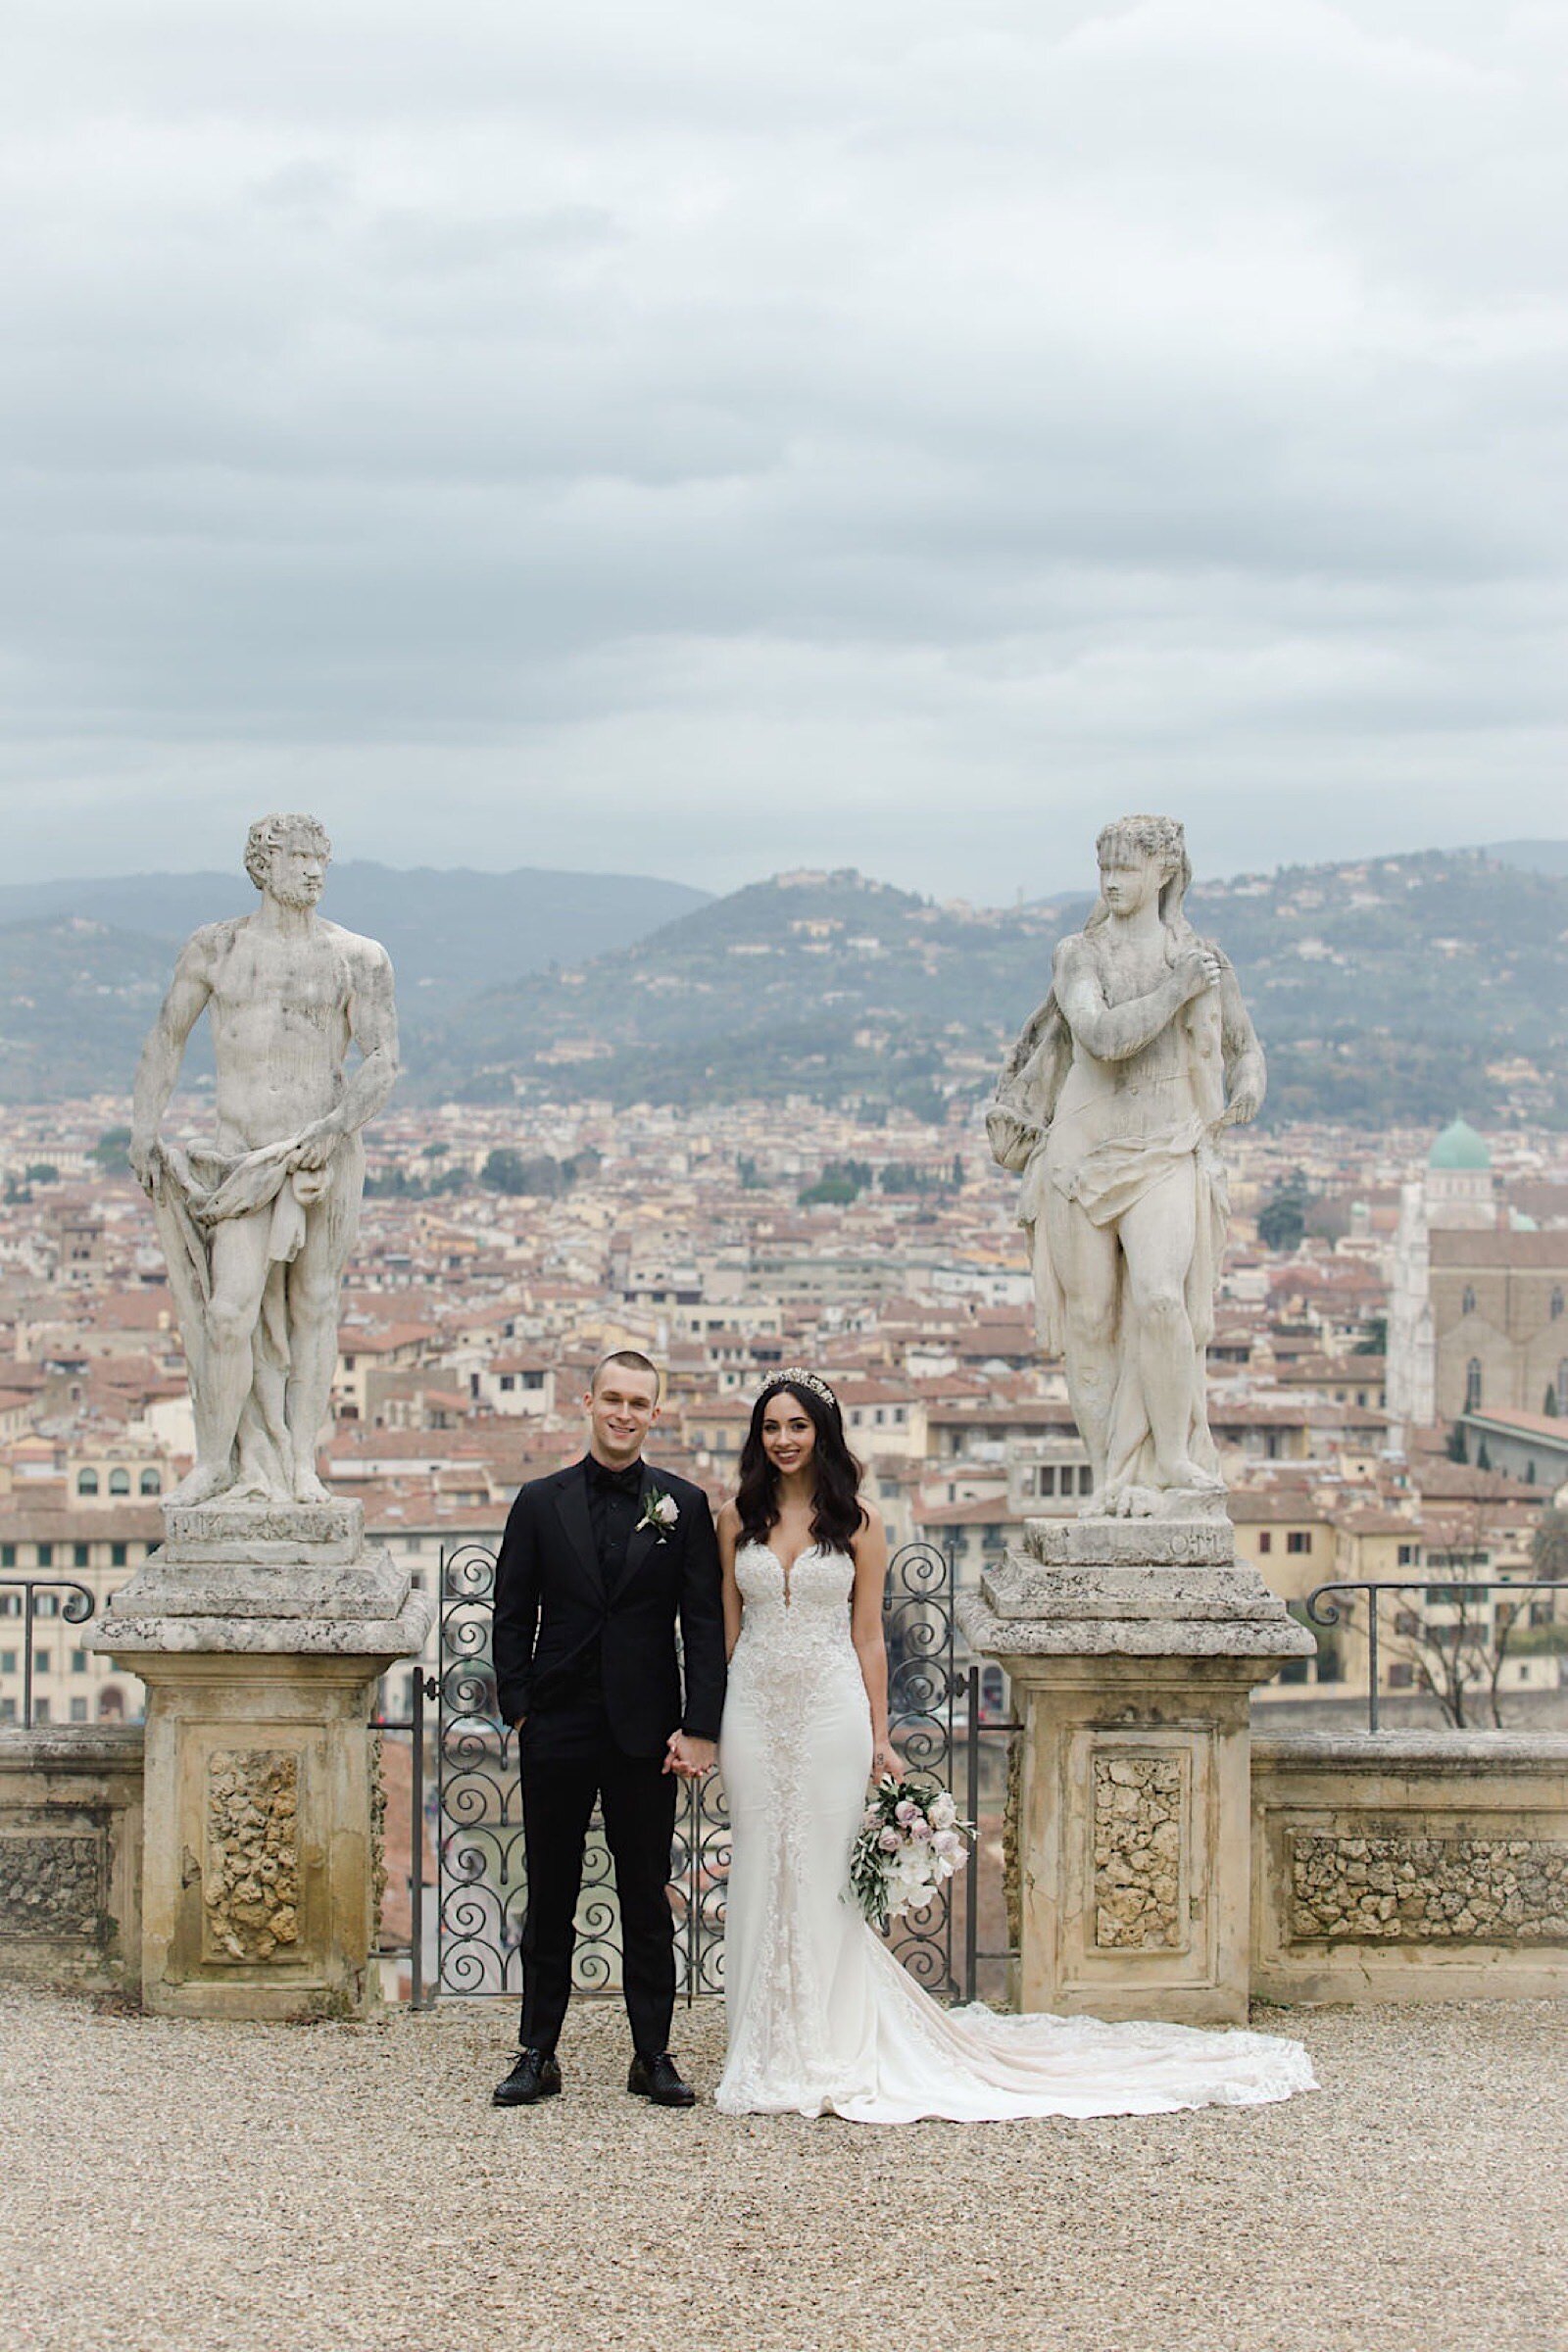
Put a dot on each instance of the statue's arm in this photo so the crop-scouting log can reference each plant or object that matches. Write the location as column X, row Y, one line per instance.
column 374, row 1026
column 1245, row 1073
column 1115, row 1032
column 162, row 1055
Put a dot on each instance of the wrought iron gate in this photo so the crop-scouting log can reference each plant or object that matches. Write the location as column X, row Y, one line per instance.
column 935, row 1711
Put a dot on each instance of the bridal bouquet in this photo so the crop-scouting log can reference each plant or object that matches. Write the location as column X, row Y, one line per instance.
column 910, row 1841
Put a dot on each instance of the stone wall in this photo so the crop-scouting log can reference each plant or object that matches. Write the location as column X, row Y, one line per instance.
column 1410, row 1866
column 71, row 1833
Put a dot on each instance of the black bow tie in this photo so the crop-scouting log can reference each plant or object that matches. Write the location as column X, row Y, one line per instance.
column 615, row 1482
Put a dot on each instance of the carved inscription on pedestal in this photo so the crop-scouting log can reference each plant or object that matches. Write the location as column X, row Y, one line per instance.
column 1140, row 1805
column 1429, row 1890
column 251, row 1880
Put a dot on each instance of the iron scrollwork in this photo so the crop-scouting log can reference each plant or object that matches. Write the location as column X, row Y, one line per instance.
column 483, row 1887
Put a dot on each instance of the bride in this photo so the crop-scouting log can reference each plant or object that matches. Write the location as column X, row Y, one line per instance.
column 821, row 2018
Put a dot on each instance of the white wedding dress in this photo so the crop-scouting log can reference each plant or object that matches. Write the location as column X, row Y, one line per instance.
column 821, row 2018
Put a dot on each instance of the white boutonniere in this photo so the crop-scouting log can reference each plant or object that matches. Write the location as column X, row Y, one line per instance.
column 659, row 1512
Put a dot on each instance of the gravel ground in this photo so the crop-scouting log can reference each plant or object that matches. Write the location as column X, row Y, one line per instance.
column 330, row 2188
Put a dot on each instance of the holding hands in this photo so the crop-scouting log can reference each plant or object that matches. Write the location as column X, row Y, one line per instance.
column 688, row 1758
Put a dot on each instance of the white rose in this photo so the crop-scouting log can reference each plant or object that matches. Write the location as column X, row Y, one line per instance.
column 944, row 1812
column 666, row 1511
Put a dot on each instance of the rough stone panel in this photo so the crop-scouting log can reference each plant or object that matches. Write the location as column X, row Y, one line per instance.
column 251, row 1886
column 1137, row 1852
column 1011, row 1857
column 1510, row 1890
column 378, row 1828
column 52, row 1885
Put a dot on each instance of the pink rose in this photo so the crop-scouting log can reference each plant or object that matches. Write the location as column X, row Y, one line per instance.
column 906, row 1812
column 890, row 1841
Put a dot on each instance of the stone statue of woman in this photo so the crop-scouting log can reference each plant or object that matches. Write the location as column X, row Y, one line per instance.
column 1111, row 1108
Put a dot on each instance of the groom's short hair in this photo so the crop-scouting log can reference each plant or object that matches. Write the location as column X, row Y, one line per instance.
column 630, row 1360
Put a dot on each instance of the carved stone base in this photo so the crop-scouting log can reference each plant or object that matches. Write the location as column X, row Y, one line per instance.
column 286, row 1534
column 1132, row 1648
column 260, row 1576
column 259, row 1865
column 258, row 1868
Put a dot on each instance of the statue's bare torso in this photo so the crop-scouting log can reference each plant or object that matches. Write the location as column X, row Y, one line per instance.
column 281, row 1014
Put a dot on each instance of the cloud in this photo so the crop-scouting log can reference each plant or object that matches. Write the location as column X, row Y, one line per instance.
column 702, row 438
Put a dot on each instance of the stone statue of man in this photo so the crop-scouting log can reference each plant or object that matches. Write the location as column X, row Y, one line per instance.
column 257, row 1226
column 1111, row 1108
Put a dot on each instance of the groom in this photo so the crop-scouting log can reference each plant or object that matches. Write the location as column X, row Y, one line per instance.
column 597, row 1566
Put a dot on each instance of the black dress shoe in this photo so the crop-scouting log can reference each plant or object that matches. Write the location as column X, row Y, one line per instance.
column 535, row 2077
column 659, row 2078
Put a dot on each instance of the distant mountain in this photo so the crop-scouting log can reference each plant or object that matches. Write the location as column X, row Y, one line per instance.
column 83, row 965
column 1534, row 856
column 1387, row 991
column 1394, row 990
column 75, row 1001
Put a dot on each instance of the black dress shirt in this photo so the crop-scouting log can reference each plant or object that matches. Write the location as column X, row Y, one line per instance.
column 614, row 1507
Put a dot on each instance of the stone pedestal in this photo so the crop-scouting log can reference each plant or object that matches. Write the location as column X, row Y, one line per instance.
column 1132, row 1648
column 260, row 1634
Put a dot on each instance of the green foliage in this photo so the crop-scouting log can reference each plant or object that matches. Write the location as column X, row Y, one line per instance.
column 1549, row 1545
column 1282, row 1220
column 43, row 1171
column 841, row 1182
column 507, row 1171
column 1374, row 1339
column 112, row 1151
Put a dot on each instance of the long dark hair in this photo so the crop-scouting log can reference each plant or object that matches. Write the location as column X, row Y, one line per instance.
column 837, row 1512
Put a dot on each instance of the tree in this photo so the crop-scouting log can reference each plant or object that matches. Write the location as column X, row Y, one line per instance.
column 507, row 1171
column 435, row 1152
column 1460, row 1664
column 1549, row 1545
column 1282, row 1220
column 1374, row 1339
column 112, row 1151
column 1548, row 1402
column 43, row 1171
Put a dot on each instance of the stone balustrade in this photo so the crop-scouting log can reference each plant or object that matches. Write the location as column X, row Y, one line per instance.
column 1401, row 1866
column 71, row 1839
column 1410, row 1866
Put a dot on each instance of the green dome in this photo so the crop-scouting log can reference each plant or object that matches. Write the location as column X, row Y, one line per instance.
column 1460, row 1146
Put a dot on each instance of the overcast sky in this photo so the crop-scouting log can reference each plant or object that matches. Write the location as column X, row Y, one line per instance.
column 700, row 437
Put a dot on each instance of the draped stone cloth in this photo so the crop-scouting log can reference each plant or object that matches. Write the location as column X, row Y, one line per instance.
column 1104, row 1175
column 196, row 1191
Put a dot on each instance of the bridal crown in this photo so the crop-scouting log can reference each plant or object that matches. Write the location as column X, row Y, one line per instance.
column 800, row 1377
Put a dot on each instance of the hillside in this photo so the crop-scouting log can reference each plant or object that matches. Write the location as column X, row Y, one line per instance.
column 75, row 1001
column 449, row 931
column 1392, row 990
column 1396, row 990
column 83, row 963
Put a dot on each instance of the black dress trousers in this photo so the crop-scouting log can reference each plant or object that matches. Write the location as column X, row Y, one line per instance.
column 570, row 1758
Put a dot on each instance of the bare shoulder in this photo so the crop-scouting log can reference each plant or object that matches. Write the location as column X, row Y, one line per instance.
column 366, row 957
column 1072, row 956
column 873, row 1534
column 729, row 1518
column 206, row 949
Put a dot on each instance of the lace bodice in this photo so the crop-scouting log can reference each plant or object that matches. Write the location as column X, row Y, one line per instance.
column 799, row 1617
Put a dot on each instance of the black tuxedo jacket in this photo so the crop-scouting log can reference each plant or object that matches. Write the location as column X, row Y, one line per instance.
column 552, row 1603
